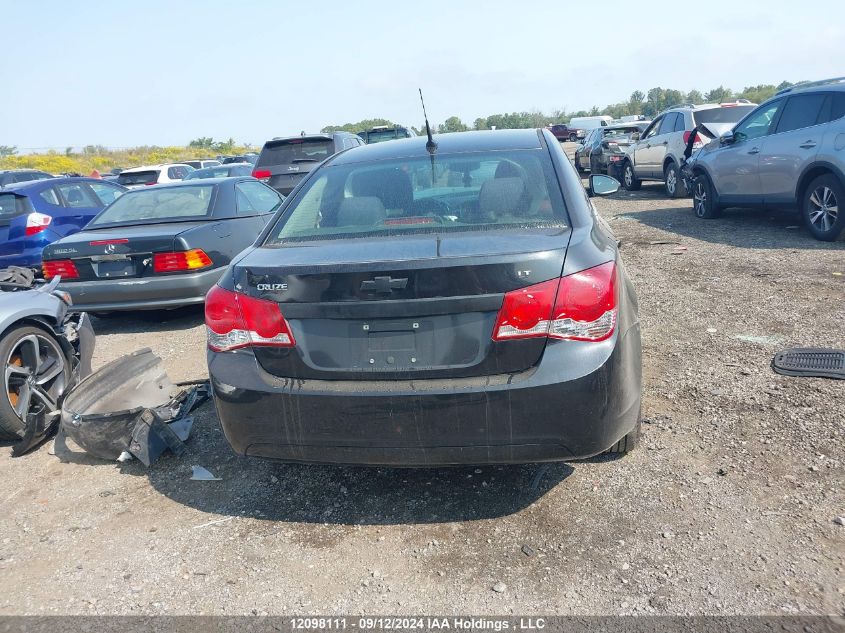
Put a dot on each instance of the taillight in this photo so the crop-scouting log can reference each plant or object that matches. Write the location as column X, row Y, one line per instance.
column 261, row 174
column 64, row 268
column 180, row 261
column 697, row 140
column 37, row 222
column 235, row 320
column 578, row 307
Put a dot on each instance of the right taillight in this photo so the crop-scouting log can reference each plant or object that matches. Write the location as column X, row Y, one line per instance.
column 64, row 268
column 697, row 142
column 234, row 320
column 579, row 307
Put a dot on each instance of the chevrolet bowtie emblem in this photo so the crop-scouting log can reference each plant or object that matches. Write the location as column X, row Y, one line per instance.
column 383, row 285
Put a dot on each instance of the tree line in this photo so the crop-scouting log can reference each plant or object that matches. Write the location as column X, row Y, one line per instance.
column 648, row 104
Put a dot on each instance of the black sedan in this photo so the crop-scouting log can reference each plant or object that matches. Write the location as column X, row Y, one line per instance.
column 160, row 247
column 412, row 308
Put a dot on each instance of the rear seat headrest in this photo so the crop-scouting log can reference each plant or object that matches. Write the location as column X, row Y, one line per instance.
column 361, row 211
column 502, row 196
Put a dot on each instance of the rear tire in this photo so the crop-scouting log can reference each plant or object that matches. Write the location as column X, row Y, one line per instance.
column 823, row 208
column 703, row 199
column 673, row 182
column 572, row 138
column 629, row 179
column 35, row 368
column 627, row 443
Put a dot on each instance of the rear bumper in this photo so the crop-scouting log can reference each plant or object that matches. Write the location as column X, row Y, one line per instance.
column 154, row 293
column 577, row 402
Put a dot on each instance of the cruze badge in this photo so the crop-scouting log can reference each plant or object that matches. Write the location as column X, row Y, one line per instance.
column 272, row 286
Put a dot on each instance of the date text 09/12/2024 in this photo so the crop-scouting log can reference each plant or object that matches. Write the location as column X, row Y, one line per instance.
column 417, row 623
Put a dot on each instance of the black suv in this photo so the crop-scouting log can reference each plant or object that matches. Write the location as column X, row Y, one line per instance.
column 8, row 176
column 385, row 133
column 284, row 161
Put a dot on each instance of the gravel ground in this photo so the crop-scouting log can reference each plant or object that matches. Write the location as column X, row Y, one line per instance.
column 728, row 506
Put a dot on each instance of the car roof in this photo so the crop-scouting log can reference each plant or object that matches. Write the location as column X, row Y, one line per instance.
column 454, row 143
column 49, row 182
column 151, row 167
column 193, row 183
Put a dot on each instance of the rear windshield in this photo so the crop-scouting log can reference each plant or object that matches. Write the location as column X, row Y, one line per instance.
column 377, row 136
column 458, row 192
column 298, row 150
column 12, row 206
column 137, row 177
column 621, row 132
column 724, row 114
column 154, row 204
column 215, row 172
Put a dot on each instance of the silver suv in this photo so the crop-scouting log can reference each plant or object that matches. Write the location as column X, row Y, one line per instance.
column 789, row 151
column 659, row 152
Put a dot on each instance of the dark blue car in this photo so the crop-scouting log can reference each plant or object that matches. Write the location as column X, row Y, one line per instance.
column 37, row 213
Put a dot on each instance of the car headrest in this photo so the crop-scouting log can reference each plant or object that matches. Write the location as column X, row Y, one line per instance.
column 360, row 211
column 74, row 195
column 502, row 196
column 391, row 186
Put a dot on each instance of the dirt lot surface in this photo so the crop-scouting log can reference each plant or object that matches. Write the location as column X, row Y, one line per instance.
column 729, row 506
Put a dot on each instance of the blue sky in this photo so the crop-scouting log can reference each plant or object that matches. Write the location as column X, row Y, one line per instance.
column 130, row 73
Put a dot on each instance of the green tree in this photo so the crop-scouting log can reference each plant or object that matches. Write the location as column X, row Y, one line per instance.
column 719, row 95
column 695, row 96
column 203, row 142
column 8, row 150
column 480, row 124
column 635, row 102
column 674, row 97
column 452, row 124
column 224, row 147
column 359, row 126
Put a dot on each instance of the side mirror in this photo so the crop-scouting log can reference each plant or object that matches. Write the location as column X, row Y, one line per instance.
column 601, row 185
column 727, row 138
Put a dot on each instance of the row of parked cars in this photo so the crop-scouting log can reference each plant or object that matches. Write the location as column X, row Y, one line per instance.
column 786, row 152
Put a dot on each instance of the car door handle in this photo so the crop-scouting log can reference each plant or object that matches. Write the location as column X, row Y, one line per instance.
column 808, row 144
column 754, row 150
column 665, row 143
column 647, row 145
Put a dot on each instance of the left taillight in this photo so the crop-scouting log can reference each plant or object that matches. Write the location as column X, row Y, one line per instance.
column 37, row 222
column 64, row 268
column 578, row 307
column 262, row 174
column 234, row 320
column 180, row 261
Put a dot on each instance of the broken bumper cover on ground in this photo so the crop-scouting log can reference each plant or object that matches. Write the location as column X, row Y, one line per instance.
column 577, row 402
column 153, row 293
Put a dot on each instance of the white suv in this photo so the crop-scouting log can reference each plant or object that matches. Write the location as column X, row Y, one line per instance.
column 659, row 152
column 153, row 174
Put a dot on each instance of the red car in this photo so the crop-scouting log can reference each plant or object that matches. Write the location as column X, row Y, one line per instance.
column 563, row 132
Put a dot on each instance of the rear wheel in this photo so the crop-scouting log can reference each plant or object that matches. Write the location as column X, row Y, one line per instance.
column 820, row 208
column 629, row 179
column 627, row 443
column 674, row 183
column 572, row 138
column 35, row 375
column 703, row 198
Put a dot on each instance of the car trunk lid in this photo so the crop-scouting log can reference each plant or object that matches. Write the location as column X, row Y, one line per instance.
column 420, row 306
column 120, row 252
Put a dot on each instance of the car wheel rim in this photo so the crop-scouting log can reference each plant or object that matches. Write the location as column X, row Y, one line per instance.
column 700, row 199
column 34, row 375
column 824, row 208
column 629, row 177
column 671, row 181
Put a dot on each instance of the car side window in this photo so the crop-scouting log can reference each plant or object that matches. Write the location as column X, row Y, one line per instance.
column 680, row 123
column 77, row 195
column 837, row 108
column 651, row 130
column 758, row 123
column 50, row 196
column 668, row 124
column 105, row 192
column 177, row 173
column 801, row 111
column 255, row 197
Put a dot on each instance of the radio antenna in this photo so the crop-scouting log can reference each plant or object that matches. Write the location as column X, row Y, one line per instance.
column 430, row 145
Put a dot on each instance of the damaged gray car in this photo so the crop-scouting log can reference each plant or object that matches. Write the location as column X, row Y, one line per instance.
column 45, row 351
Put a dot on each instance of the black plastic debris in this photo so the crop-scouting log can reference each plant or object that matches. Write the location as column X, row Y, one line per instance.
column 130, row 406
column 810, row 361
